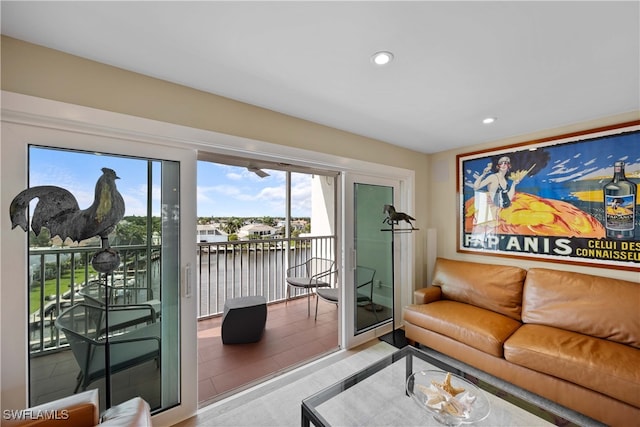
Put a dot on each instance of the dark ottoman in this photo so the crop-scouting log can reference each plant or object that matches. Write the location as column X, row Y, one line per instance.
column 244, row 319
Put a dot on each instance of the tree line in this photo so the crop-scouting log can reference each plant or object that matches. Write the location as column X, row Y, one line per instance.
column 132, row 230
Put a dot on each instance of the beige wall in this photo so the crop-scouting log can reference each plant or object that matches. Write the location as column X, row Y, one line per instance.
column 34, row 70
column 37, row 71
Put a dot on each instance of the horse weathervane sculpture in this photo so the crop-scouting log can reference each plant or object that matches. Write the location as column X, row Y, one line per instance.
column 393, row 218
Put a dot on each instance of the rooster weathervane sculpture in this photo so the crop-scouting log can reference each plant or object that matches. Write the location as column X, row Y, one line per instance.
column 58, row 210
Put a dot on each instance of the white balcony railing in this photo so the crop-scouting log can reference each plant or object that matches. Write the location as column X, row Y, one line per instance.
column 252, row 267
column 61, row 277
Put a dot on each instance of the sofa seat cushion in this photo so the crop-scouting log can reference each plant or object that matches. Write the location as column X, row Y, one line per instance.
column 600, row 365
column 479, row 328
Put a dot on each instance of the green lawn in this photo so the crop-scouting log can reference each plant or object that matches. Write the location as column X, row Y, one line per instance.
column 50, row 287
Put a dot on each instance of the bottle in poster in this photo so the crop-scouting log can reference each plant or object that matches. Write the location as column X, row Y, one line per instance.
column 620, row 205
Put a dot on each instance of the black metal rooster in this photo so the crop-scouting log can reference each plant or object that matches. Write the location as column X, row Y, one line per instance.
column 58, row 210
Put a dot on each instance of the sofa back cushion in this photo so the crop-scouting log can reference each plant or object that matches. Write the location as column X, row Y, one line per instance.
column 591, row 305
column 494, row 287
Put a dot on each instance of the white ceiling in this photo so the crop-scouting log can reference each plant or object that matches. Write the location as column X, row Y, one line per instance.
column 533, row 65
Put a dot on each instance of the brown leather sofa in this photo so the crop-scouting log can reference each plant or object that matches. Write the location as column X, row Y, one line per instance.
column 571, row 338
column 81, row 410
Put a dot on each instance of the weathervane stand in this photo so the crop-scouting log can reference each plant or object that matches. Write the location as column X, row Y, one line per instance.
column 395, row 337
column 104, row 262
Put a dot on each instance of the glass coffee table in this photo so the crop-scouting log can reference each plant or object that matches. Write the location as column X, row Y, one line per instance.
column 376, row 395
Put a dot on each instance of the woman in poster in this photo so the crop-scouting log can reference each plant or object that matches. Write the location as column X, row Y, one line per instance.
column 500, row 190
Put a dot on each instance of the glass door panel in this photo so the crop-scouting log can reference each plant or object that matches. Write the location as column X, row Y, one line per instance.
column 373, row 272
column 368, row 273
column 78, row 317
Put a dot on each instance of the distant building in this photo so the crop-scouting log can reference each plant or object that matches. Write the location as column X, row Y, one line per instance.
column 257, row 229
column 210, row 233
column 299, row 224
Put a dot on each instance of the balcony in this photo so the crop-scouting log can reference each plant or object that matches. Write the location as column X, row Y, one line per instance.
column 63, row 277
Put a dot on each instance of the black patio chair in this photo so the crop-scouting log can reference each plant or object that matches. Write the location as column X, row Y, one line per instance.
column 84, row 327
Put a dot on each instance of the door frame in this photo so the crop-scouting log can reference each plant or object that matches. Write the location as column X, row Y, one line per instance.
column 33, row 121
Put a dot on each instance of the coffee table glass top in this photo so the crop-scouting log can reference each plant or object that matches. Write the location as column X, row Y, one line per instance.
column 377, row 395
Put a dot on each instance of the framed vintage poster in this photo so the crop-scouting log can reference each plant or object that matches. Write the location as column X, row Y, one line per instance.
column 571, row 198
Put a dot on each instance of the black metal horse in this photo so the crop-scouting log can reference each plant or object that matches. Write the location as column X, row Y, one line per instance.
column 393, row 217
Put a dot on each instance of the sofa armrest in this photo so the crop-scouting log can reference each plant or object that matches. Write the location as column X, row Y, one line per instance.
column 80, row 410
column 132, row 413
column 427, row 295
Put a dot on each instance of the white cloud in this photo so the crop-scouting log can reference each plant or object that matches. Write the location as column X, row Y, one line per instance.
column 234, row 176
column 271, row 193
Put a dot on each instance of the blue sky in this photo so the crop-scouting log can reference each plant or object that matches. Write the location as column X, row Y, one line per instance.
column 233, row 191
column 222, row 190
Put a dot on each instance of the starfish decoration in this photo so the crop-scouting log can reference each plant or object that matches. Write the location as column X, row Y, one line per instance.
column 447, row 386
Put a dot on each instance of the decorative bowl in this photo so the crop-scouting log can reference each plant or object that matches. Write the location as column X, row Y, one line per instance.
column 450, row 399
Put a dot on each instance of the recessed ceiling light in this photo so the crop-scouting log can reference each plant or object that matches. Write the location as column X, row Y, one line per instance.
column 489, row 120
column 382, row 58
